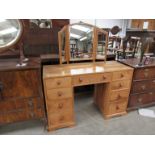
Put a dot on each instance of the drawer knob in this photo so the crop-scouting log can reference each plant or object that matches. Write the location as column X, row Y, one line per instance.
column 140, row 100
column 61, row 118
column 151, row 93
column 143, row 87
column 122, row 75
column 59, row 93
column 146, row 74
column 80, row 80
column 60, row 106
column 104, row 77
column 58, row 83
column 117, row 107
column 119, row 96
column 120, row 85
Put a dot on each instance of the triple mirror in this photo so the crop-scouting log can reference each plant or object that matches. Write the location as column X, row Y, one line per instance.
column 82, row 42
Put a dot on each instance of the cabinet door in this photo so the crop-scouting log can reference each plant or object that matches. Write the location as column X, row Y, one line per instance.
column 24, row 83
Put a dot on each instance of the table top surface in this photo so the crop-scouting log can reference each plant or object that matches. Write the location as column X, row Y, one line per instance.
column 133, row 62
column 82, row 68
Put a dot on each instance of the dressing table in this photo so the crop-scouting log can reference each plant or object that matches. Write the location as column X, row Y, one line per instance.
column 112, row 79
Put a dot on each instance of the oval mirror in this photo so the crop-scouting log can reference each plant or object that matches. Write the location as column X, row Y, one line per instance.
column 10, row 33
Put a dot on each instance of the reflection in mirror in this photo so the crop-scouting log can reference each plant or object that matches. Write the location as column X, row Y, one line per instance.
column 81, row 42
column 10, row 32
column 101, row 45
column 40, row 23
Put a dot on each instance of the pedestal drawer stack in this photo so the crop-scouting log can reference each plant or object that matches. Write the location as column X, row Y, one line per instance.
column 59, row 102
column 118, row 93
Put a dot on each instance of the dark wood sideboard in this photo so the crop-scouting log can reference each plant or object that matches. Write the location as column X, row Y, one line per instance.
column 142, row 92
column 21, row 96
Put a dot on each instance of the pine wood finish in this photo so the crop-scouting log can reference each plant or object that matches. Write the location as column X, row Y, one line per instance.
column 21, row 95
column 112, row 86
column 143, row 85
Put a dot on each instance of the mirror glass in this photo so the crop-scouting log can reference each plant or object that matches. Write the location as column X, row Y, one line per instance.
column 10, row 32
column 81, row 42
column 41, row 23
column 101, row 46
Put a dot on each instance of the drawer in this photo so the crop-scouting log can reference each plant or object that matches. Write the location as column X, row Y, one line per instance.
column 58, row 106
column 140, row 99
column 59, row 120
column 120, row 96
column 147, row 73
column 58, row 82
column 143, row 86
column 20, row 115
column 60, row 93
column 123, row 75
column 91, row 79
column 115, row 108
column 120, row 85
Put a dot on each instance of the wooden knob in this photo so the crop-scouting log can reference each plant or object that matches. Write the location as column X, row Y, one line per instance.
column 143, row 87
column 119, row 96
column 60, row 106
column 104, row 77
column 61, row 118
column 117, row 107
column 122, row 75
column 146, row 74
column 120, row 85
column 58, row 82
column 139, row 99
column 151, row 93
column 59, row 93
column 80, row 80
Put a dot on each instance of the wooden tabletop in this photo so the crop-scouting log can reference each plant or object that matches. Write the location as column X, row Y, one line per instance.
column 133, row 62
column 82, row 68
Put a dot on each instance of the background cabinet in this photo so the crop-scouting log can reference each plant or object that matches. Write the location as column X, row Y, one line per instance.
column 21, row 95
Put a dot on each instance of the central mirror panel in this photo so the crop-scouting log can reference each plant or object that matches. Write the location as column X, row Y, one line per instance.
column 81, row 42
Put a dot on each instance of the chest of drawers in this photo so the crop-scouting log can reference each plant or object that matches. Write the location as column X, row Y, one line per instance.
column 142, row 92
column 21, row 96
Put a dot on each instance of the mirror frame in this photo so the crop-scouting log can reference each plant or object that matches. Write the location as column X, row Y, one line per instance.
column 17, row 41
column 96, row 30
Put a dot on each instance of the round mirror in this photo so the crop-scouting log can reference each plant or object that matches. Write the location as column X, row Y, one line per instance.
column 10, row 33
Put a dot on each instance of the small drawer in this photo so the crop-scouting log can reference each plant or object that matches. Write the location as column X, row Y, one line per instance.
column 120, row 96
column 115, row 108
column 60, row 93
column 58, row 82
column 144, row 73
column 58, row 106
column 117, row 85
column 91, row 79
column 123, row 75
column 59, row 120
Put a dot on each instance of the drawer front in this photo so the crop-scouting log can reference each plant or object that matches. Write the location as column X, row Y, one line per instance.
column 59, row 106
column 21, row 115
column 147, row 73
column 143, row 86
column 140, row 99
column 91, row 79
column 60, row 93
column 58, row 83
column 120, row 85
column 57, row 120
column 123, row 75
column 120, row 96
column 117, row 108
